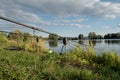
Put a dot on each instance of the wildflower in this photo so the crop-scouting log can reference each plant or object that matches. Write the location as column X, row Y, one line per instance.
column 50, row 51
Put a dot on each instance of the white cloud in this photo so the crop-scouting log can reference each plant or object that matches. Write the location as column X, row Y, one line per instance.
column 76, row 20
column 2, row 13
column 106, row 27
column 29, row 11
column 61, row 7
column 108, row 9
column 32, row 18
column 74, row 7
column 20, row 15
column 118, row 25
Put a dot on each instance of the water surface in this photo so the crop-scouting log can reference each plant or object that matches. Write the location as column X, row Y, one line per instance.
column 100, row 45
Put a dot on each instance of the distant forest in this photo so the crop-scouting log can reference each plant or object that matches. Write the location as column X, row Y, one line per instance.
column 93, row 35
column 112, row 36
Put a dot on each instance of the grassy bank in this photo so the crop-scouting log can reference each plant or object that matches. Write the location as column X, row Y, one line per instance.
column 78, row 64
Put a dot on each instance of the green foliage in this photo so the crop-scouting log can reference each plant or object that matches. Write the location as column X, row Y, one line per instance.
column 53, row 37
column 81, row 36
column 87, row 75
column 3, row 38
column 78, row 64
column 92, row 35
column 70, row 73
column 29, row 47
column 34, row 46
column 16, row 35
column 110, row 60
column 25, row 41
column 16, row 65
column 53, row 43
column 79, row 53
column 27, row 37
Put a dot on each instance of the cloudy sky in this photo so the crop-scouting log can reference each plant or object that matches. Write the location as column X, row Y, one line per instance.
column 64, row 17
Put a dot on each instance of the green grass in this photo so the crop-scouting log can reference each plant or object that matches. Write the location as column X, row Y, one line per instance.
column 77, row 64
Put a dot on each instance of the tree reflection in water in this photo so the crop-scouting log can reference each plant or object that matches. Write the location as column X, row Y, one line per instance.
column 114, row 41
column 53, row 43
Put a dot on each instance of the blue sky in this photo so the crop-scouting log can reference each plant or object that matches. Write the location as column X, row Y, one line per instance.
column 63, row 17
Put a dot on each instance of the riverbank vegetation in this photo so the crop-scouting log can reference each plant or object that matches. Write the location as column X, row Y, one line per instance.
column 77, row 64
column 17, row 40
column 25, row 58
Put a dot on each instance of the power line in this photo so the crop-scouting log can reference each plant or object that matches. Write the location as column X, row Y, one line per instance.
column 25, row 25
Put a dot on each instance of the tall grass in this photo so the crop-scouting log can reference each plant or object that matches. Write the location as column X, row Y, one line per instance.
column 78, row 64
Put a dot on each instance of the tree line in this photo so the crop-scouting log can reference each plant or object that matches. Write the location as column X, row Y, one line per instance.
column 93, row 35
column 112, row 36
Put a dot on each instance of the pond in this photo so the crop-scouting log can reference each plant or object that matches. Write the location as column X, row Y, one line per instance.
column 99, row 45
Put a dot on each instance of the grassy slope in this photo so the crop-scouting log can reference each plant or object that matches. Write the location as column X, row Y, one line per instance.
column 77, row 65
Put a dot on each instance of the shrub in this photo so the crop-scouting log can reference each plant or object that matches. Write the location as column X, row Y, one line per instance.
column 34, row 46
column 109, row 59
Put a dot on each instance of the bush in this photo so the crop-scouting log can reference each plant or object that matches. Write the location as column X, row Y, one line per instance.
column 3, row 38
column 34, row 46
column 109, row 59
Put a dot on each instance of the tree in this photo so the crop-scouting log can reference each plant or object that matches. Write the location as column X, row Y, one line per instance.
column 27, row 37
column 118, row 35
column 16, row 35
column 99, row 37
column 53, row 43
column 92, row 35
column 80, row 37
column 53, row 37
column 112, row 36
column 3, row 37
